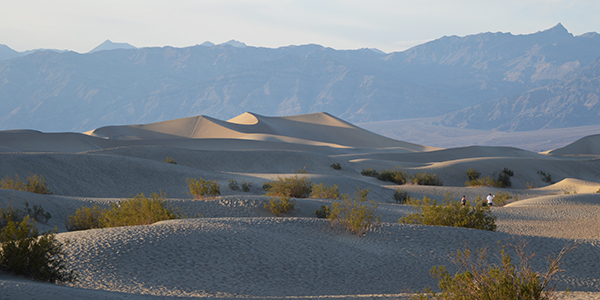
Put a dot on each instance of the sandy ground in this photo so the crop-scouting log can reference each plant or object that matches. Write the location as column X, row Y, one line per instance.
column 231, row 247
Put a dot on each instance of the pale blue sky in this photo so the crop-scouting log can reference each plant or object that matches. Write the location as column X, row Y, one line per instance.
column 389, row 25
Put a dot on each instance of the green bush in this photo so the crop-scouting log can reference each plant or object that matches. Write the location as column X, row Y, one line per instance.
column 170, row 160
column 85, row 218
column 24, row 252
column 357, row 215
column 545, row 177
column 473, row 174
column 397, row 176
column 280, row 205
column 202, row 188
column 325, row 192
column 502, row 180
column 451, row 213
column 35, row 184
column 336, row 166
column 267, row 185
column 295, row 187
column 138, row 210
column 323, row 212
column 401, row 197
column 302, row 171
column 369, row 172
column 10, row 213
column 478, row 279
column 501, row 199
column 425, row 179
column 233, row 185
column 246, row 186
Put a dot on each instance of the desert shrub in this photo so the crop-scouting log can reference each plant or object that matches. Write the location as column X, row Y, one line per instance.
column 295, row 187
column 425, row 179
column 233, row 185
column 451, row 213
column 10, row 213
column 545, row 177
column 170, row 160
column 267, row 185
column 336, row 166
column 397, row 176
column 202, row 188
column 401, row 197
column 85, row 218
column 473, row 174
column 35, row 184
column 323, row 212
column 357, row 215
column 369, row 172
column 501, row 199
column 502, row 180
column 246, row 186
column 280, row 205
column 138, row 210
column 479, row 279
column 325, row 192
column 24, row 252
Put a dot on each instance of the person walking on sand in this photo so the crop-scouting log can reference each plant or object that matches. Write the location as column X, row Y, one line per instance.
column 489, row 200
column 463, row 201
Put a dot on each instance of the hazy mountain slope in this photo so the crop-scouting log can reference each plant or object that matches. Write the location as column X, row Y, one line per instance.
column 68, row 91
column 7, row 53
column 569, row 103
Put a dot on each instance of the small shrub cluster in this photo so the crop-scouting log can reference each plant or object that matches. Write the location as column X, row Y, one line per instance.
column 170, row 160
column 473, row 174
column 336, row 166
column 295, row 187
column 545, row 177
column 202, row 188
column 24, row 252
column 401, row 197
column 10, row 213
column 234, row 186
column 502, row 180
column 397, row 176
column 425, row 179
column 325, row 192
column 323, row 212
column 501, row 199
column 267, row 185
column 138, row 210
column 451, row 213
column 357, row 215
column 369, row 172
column 35, row 184
column 479, row 279
column 280, row 205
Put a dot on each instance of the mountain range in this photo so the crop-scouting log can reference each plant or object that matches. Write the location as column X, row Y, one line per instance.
column 499, row 81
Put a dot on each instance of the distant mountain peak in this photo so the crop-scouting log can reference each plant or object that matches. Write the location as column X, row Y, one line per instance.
column 234, row 43
column 109, row 45
column 558, row 29
column 207, row 44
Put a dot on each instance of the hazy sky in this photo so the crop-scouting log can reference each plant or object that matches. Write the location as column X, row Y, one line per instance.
column 389, row 25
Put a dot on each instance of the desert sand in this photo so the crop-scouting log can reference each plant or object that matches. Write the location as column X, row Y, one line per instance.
column 231, row 247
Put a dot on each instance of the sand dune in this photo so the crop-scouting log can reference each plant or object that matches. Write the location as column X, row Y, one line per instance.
column 239, row 250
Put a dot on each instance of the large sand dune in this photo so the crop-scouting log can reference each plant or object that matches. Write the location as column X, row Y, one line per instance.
column 238, row 250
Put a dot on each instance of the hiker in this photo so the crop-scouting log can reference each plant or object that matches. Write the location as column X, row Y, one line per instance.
column 489, row 200
column 463, row 201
